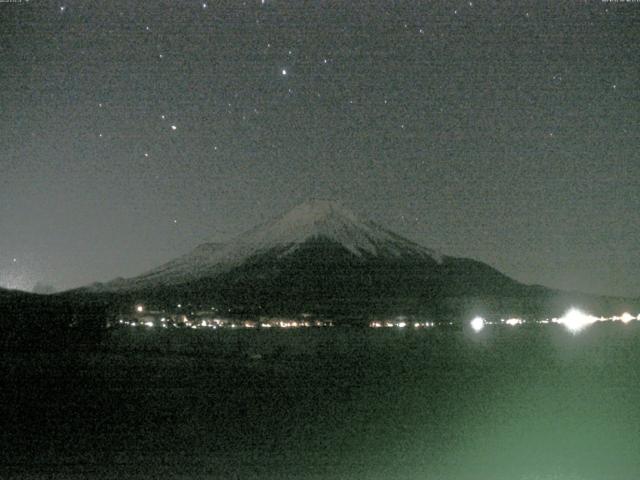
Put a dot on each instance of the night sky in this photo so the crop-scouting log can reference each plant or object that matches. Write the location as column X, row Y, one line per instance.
column 508, row 132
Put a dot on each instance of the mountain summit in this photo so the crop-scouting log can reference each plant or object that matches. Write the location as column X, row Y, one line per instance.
column 331, row 221
column 312, row 221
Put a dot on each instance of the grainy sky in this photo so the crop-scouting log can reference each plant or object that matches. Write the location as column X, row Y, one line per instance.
column 131, row 131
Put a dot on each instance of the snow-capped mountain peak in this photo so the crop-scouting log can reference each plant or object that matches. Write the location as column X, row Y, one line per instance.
column 313, row 220
column 328, row 220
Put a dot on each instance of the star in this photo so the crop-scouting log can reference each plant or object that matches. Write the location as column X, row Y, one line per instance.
column 62, row 8
column 15, row 260
column 173, row 127
column 175, row 220
column 162, row 117
column 204, row 5
column 146, row 154
column 100, row 105
column 284, row 72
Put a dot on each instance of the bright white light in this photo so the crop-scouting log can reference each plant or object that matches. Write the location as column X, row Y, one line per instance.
column 139, row 308
column 477, row 324
column 149, row 324
column 513, row 321
column 626, row 317
column 575, row 320
column 402, row 324
column 173, row 127
column 284, row 71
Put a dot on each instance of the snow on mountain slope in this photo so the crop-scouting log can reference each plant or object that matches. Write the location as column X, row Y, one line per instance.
column 328, row 220
column 318, row 219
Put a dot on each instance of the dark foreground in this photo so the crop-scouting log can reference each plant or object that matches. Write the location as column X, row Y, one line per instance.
column 508, row 403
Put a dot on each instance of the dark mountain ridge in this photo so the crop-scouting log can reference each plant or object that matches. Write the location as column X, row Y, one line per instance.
column 322, row 259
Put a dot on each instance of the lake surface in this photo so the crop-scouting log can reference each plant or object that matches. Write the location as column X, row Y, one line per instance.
column 340, row 403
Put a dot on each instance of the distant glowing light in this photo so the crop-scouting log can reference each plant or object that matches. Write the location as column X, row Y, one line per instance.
column 626, row 317
column 513, row 321
column 149, row 324
column 402, row 324
column 139, row 308
column 477, row 324
column 173, row 127
column 576, row 320
column 284, row 71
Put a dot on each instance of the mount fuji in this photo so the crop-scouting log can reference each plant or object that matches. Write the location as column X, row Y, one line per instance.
column 313, row 222
column 321, row 258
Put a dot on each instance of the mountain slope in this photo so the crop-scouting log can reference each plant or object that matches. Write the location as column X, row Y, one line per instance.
column 321, row 258
column 318, row 257
column 311, row 220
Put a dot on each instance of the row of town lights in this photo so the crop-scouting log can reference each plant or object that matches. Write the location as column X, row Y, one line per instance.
column 574, row 320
